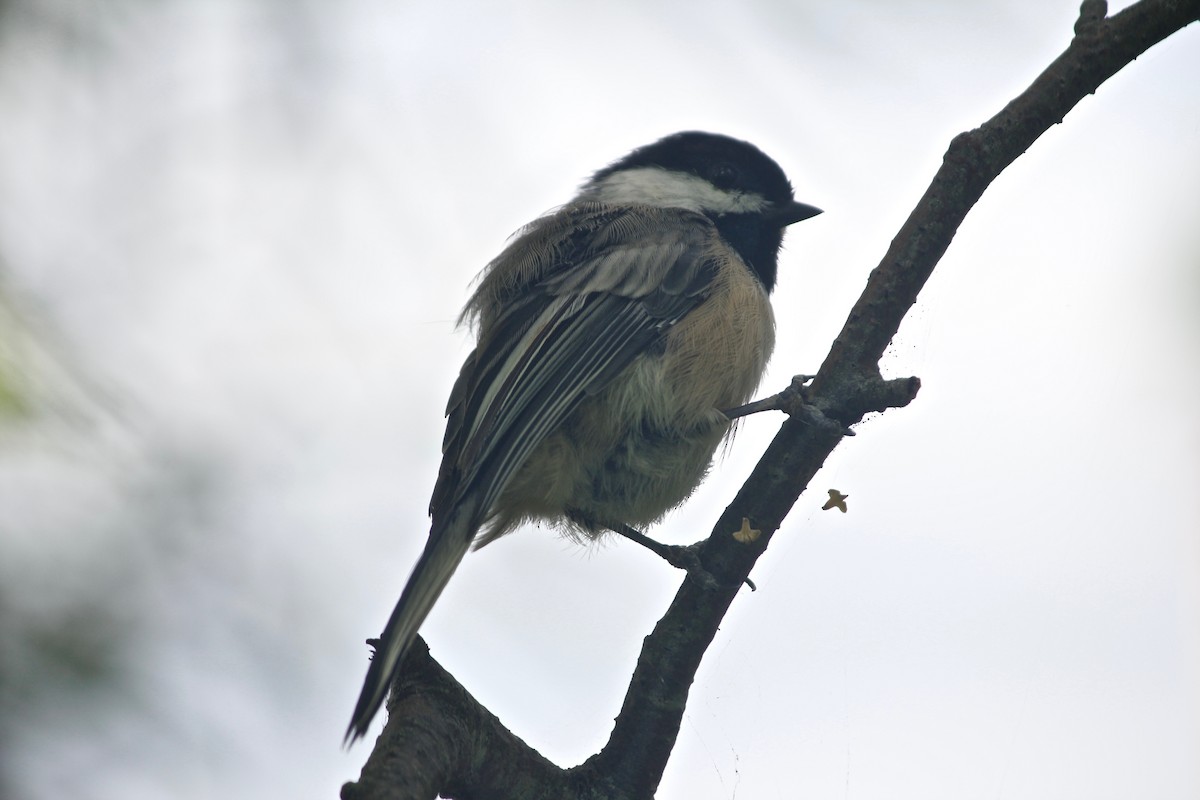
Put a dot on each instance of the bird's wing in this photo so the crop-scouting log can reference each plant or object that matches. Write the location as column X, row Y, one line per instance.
column 562, row 329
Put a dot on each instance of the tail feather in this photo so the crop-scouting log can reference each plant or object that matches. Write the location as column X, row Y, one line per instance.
column 443, row 552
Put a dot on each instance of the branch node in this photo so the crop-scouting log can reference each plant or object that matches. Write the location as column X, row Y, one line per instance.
column 1091, row 14
column 898, row 392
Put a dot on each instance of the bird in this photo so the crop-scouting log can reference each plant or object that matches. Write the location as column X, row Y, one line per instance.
column 611, row 334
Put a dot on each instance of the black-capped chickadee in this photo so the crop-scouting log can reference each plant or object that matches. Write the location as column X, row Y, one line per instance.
column 611, row 335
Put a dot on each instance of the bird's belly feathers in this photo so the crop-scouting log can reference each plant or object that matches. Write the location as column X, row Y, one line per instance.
column 640, row 447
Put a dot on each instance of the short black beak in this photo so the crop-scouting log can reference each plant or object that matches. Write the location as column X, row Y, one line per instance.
column 791, row 213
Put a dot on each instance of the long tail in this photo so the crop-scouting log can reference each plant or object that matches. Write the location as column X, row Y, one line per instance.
column 443, row 552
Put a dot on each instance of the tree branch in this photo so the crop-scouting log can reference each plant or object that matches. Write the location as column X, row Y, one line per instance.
column 479, row 758
column 441, row 739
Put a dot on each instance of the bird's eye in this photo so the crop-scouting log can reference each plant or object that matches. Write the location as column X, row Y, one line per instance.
column 724, row 175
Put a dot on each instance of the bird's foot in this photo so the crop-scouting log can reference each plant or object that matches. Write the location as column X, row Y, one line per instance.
column 684, row 558
column 787, row 401
column 793, row 401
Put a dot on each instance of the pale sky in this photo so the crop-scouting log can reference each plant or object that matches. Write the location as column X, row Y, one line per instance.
column 236, row 235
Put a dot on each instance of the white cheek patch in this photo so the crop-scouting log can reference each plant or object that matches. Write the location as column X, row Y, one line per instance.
column 655, row 186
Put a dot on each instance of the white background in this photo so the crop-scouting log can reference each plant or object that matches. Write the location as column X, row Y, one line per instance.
column 234, row 237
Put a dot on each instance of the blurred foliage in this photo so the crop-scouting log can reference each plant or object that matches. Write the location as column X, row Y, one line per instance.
column 75, row 647
column 14, row 401
column 63, row 638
